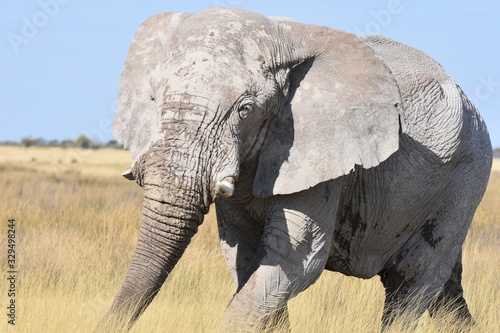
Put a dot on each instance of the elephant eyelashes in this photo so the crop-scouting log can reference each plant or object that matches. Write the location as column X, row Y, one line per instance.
column 244, row 110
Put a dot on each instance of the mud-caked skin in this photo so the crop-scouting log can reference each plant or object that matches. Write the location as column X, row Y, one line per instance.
column 320, row 150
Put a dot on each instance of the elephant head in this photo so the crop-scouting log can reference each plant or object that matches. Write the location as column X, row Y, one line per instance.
column 226, row 102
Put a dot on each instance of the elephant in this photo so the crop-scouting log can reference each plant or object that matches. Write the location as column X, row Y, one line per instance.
column 321, row 150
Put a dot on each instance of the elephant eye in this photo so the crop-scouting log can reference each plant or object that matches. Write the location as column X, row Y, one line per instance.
column 244, row 110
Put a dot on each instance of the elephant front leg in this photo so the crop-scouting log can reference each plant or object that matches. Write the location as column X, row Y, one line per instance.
column 291, row 256
column 240, row 237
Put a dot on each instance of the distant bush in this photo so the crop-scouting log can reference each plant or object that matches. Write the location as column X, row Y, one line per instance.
column 67, row 143
column 9, row 143
column 114, row 144
column 83, row 142
column 29, row 142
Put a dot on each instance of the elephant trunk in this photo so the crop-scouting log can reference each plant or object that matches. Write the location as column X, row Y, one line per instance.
column 172, row 211
column 180, row 181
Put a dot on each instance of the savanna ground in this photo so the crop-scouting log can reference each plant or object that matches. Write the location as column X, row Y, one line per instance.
column 76, row 226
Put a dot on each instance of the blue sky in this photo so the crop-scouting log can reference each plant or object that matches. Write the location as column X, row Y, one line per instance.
column 60, row 60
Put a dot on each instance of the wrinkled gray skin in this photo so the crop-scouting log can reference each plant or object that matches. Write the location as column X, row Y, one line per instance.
column 321, row 150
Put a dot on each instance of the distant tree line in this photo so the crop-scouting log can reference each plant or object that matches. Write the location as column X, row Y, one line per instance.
column 84, row 142
column 81, row 142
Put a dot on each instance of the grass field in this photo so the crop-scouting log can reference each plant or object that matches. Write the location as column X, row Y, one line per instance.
column 76, row 226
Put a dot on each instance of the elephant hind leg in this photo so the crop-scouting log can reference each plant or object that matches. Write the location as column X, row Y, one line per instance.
column 451, row 298
column 431, row 285
column 429, row 266
column 411, row 282
column 405, row 298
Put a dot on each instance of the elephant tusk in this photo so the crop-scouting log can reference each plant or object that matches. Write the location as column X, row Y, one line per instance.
column 128, row 174
column 225, row 187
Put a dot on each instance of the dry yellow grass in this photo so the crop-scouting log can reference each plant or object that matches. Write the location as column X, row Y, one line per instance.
column 57, row 161
column 77, row 221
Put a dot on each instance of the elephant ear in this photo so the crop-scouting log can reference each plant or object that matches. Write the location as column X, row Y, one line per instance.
column 342, row 111
column 137, row 120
